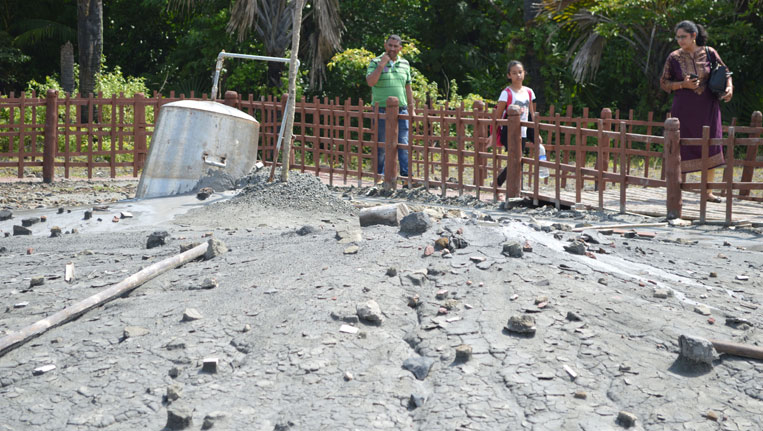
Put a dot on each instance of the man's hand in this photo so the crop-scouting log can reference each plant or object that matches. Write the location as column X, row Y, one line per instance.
column 384, row 60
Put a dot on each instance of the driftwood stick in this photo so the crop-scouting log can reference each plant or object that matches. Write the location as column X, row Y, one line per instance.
column 618, row 226
column 13, row 340
column 737, row 349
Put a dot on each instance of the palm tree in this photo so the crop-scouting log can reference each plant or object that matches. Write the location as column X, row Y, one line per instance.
column 271, row 20
column 90, row 45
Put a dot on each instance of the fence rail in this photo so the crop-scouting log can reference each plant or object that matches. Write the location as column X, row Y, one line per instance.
column 448, row 147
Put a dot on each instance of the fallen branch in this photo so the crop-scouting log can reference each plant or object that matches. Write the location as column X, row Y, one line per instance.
column 737, row 349
column 618, row 226
column 9, row 342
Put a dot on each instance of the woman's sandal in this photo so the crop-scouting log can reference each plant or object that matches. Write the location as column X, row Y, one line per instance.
column 714, row 198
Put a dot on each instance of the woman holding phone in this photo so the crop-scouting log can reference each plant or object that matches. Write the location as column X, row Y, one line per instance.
column 685, row 74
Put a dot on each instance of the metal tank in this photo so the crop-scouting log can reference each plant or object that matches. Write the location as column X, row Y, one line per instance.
column 190, row 138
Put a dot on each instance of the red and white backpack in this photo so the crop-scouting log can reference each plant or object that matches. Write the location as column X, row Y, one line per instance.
column 500, row 137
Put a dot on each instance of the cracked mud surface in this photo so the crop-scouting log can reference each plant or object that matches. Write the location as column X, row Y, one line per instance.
column 273, row 322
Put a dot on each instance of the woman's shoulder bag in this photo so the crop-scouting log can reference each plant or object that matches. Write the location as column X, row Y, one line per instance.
column 718, row 74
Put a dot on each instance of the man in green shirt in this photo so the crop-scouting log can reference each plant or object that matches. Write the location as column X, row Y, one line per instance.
column 390, row 75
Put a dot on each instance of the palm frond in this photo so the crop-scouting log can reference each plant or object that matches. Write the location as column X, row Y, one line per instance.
column 588, row 58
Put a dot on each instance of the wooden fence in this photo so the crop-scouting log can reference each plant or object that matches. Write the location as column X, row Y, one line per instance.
column 448, row 147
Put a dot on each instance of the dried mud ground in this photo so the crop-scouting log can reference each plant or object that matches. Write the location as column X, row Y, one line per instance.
column 284, row 294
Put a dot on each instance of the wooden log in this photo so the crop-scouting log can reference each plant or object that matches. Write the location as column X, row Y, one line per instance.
column 737, row 349
column 13, row 340
column 389, row 215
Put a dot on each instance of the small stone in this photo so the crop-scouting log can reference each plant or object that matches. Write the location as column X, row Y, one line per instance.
column 573, row 317
column 443, row 242
column 540, row 299
column 581, row 395
column 88, row 215
column 512, row 249
column 661, row 293
column 21, row 230
column 419, row 366
column 353, row 249
column 36, row 281
column 30, row 221
column 703, row 310
column 191, row 314
column 21, row 304
column 174, row 392
column 134, row 331
column 370, row 312
column 347, row 329
column 428, row 250
column 416, row 401
column 125, row 214
column 6, row 215
column 157, row 239
column 247, row 327
column 30, row 250
column 463, row 353
column 391, row 271
column 742, row 277
column 713, row 416
column 415, row 223
column 173, row 372
column 115, row 219
column 61, row 210
column 697, row 350
column 204, row 193
column 713, row 274
column 521, row 324
column 55, row 232
column 179, row 418
column 577, row 247
column 441, row 294
column 626, row 419
column 348, row 376
column 43, row 369
column 209, row 365
column 307, row 230
column 212, row 418
column 414, row 301
column 215, row 248
column 209, row 283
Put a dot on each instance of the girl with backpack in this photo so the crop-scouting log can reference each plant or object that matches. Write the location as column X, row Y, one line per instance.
column 523, row 97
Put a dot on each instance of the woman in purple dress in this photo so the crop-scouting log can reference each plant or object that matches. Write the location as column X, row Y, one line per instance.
column 685, row 74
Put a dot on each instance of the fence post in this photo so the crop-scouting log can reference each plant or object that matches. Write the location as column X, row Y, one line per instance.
column 139, row 129
column 51, row 136
column 672, row 151
column 752, row 152
column 514, row 164
column 603, row 163
column 390, row 143
column 480, row 171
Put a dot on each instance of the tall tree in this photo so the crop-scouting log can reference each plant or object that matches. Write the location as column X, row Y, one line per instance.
column 89, row 44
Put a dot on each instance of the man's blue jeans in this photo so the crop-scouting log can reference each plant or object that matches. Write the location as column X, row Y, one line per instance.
column 402, row 138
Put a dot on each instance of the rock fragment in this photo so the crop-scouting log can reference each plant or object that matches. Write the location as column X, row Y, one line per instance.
column 174, row 392
column 370, row 312
column 179, row 417
column 577, row 247
column 415, row 223
column 209, row 365
column 55, row 232
column 134, row 331
column 36, row 281
column 215, row 248
column 696, row 350
column 512, row 249
column 43, row 369
column 21, row 230
column 6, row 215
column 463, row 353
column 213, row 418
column 626, row 419
column 204, row 193
column 30, row 221
column 419, row 366
column 191, row 314
column 157, row 239
column 523, row 324
column 307, row 230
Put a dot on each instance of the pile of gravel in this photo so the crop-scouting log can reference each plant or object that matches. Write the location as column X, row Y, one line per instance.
column 423, row 196
column 303, row 192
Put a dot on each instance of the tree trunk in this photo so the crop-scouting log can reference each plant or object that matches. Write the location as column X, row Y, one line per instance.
column 90, row 46
column 289, row 114
column 274, row 73
column 532, row 65
column 67, row 68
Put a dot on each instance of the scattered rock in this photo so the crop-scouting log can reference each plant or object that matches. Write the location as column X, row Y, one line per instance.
column 6, row 215
column 713, row 416
column 573, row 317
column 370, row 312
column 307, row 230
column 441, row 294
column 442, row 242
column 215, row 248
column 348, row 376
column 463, row 353
column 125, row 214
column 191, row 314
column 523, row 324
column 134, row 331
column 703, row 310
column 43, row 369
column 213, row 418
column 661, row 293
column 209, row 365
column 577, row 247
column 157, row 239
column 428, row 250
column 209, row 283
column 391, row 271
column 581, row 395
column 626, row 419
column 458, row 242
column 416, row 401
column 36, row 281
column 55, row 232
column 174, row 392
column 419, row 366
column 512, row 249
column 88, row 215
column 30, row 221
column 353, row 249
column 349, row 234
column 179, row 417
column 415, row 223
column 21, row 230
column 697, row 350
column 204, row 193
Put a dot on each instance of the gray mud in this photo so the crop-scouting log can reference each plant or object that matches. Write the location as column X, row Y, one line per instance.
column 604, row 343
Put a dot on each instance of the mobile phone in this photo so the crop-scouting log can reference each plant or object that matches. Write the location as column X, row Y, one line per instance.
column 693, row 76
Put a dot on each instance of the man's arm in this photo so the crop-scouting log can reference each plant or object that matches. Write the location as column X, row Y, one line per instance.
column 373, row 77
column 411, row 102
